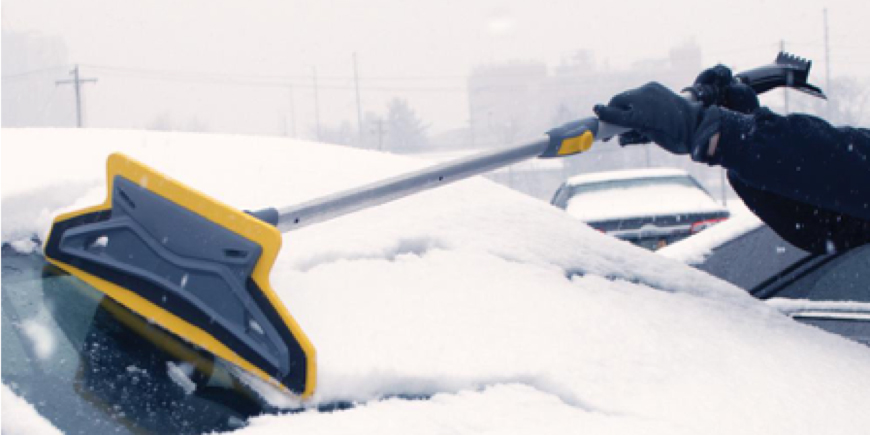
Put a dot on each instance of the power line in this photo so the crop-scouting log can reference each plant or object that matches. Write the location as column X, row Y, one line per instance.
column 358, row 104
column 265, row 81
column 284, row 78
column 31, row 72
column 316, row 103
column 270, row 82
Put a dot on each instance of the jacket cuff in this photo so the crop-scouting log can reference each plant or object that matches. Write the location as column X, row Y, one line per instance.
column 734, row 129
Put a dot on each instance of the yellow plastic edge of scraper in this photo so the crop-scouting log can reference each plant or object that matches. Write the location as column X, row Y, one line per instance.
column 577, row 144
column 267, row 236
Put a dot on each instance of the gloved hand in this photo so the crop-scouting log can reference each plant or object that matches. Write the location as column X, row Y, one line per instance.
column 656, row 113
column 716, row 86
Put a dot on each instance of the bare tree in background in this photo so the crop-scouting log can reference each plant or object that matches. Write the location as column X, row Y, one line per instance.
column 848, row 99
column 847, row 103
column 406, row 131
column 341, row 134
column 165, row 122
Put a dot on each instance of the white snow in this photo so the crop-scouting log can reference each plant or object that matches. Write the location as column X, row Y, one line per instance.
column 509, row 408
column 640, row 201
column 627, row 174
column 695, row 249
column 658, row 195
column 854, row 309
column 21, row 418
column 24, row 246
column 180, row 375
column 513, row 317
column 101, row 242
column 40, row 336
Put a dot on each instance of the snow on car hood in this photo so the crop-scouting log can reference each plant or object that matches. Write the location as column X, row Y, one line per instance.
column 500, row 308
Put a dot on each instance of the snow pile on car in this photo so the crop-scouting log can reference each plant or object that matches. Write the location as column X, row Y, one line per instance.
column 696, row 249
column 473, row 308
column 21, row 418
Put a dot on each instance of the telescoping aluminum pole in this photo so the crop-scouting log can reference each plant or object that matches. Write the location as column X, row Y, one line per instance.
column 569, row 139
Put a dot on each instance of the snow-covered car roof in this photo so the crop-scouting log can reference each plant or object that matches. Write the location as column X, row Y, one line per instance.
column 637, row 193
column 627, row 174
column 499, row 310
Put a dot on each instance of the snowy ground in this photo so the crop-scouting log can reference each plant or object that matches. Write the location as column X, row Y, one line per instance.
column 504, row 313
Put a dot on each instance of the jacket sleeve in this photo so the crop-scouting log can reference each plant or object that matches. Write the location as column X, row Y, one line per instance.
column 800, row 157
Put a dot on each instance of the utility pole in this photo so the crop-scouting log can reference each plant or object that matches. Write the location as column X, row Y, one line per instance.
column 316, row 104
column 292, row 113
column 827, row 64
column 470, row 118
column 76, row 81
column 381, row 134
column 358, row 105
column 784, row 90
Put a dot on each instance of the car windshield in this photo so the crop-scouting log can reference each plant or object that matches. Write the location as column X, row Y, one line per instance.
column 89, row 365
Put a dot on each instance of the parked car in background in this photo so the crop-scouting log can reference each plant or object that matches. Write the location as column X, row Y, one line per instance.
column 651, row 208
column 830, row 291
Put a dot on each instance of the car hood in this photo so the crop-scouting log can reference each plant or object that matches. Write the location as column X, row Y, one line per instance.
column 474, row 296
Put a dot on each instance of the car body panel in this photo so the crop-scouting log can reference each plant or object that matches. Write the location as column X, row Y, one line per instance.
column 830, row 291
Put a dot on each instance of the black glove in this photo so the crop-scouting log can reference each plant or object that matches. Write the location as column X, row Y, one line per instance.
column 657, row 113
column 716, row 86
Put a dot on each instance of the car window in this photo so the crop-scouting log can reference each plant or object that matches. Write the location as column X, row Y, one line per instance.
column 753, row 258
column 844, row 277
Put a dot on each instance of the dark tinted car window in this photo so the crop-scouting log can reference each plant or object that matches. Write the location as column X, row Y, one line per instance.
column 844, row 277
column 753, row 258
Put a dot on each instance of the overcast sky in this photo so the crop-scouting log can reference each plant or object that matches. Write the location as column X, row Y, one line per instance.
column 420, row 50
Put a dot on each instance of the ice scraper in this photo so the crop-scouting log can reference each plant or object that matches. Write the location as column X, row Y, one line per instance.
column 200, row 269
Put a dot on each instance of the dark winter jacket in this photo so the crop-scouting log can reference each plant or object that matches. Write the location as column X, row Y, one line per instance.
column 809, row 181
